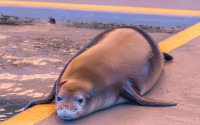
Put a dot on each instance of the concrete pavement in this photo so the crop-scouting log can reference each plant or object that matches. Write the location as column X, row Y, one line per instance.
column 178, row 83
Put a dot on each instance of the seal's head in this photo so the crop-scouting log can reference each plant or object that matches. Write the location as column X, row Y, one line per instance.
column 73, row 100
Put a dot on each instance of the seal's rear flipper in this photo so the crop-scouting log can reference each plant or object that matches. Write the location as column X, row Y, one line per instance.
column 167, row 56
column 48, row 99
column 132, row 95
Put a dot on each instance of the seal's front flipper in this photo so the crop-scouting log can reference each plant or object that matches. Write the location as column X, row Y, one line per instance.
column 167, row 56
column 133, row 95
column 46, row 100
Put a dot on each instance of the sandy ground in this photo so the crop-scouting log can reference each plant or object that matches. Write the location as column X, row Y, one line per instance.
column 32, row 57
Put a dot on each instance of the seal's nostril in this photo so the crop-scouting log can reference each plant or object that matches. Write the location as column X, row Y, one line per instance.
column 59, row 98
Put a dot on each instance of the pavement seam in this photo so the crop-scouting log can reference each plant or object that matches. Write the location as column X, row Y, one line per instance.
column 103, row 7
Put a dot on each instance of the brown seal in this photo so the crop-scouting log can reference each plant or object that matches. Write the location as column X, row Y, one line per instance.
column 118, row 65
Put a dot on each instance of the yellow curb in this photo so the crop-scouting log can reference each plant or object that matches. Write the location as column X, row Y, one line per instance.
column 180, row 38
column 32, row 115
column 102, row 7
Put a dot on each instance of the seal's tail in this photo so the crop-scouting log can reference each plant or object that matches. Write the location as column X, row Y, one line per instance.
column 167, row 57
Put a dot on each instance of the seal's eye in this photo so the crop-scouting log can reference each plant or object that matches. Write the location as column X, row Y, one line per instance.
column 59, row 98
column 79, row 100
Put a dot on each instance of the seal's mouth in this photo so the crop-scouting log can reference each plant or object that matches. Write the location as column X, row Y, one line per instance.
column 69, row 115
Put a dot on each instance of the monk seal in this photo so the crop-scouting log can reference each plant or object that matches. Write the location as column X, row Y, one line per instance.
column 118, row 65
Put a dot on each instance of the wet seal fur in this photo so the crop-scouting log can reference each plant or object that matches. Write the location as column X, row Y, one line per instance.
column 118, row 65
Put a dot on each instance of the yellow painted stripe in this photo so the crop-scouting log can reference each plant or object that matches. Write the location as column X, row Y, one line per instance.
column 180, row 38
column 32, row 115
column 102, row 7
